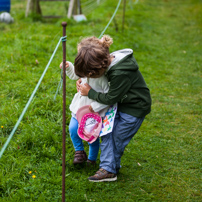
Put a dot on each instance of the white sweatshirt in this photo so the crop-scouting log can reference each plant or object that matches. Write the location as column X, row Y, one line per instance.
column 98, row 84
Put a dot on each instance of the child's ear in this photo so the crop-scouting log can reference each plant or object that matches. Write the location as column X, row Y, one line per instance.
column 89, row 74
column 107, row 41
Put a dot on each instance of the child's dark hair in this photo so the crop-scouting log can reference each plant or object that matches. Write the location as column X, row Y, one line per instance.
column 93, row 57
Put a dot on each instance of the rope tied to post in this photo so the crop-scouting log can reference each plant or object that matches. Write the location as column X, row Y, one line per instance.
column 64, row 38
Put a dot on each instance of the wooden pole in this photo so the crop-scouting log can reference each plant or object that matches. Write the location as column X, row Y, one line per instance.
column 70, row 9
column 27, row 8
column 34, row 6
column 75, row 7
column 64, row 24
column 79, row 7
column 38, row 8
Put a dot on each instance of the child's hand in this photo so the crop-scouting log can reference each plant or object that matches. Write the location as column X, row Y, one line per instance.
column 78, row 84
column 66, row 66
column 91, row 109
column 84, row 89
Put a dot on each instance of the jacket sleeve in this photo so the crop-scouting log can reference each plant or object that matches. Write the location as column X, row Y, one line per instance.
column 119, row 86
column 70, row 72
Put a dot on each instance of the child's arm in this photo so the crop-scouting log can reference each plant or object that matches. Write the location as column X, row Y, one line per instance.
column 119, row 86
column 70, row 70
column 102, row 82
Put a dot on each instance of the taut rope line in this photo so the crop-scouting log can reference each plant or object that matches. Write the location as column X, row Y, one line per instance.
column 39, row 82
column 29, row 101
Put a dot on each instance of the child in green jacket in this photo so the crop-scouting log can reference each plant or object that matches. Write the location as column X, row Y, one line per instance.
column 127, row 88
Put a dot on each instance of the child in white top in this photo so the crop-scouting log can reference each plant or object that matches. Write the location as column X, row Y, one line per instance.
column 95, row 77
column 99, row 84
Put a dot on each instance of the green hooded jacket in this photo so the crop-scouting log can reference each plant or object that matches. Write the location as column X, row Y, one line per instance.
column 127, row 86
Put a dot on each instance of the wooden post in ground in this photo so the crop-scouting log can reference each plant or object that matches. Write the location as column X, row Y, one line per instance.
column 33, row 6
column 64, row 24
column 70, row 9
column 74, row 8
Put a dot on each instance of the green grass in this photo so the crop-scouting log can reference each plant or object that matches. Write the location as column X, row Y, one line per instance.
column 162, row 162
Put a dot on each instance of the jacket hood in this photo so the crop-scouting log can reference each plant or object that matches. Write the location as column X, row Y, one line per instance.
column 123, row 60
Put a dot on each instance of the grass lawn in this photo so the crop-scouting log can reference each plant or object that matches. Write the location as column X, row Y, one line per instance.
column 163, row 162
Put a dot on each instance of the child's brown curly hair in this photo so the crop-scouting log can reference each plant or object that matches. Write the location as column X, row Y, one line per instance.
column 93, row 56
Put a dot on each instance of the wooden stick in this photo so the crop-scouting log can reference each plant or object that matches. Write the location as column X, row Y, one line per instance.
column 64, row 24
column 70, row 9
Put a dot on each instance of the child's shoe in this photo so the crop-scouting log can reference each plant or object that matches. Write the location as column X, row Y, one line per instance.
column 79, row 157
column 90, row 163
column 103, row 176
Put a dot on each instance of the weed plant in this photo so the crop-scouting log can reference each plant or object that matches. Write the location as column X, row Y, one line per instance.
column 162, row 162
